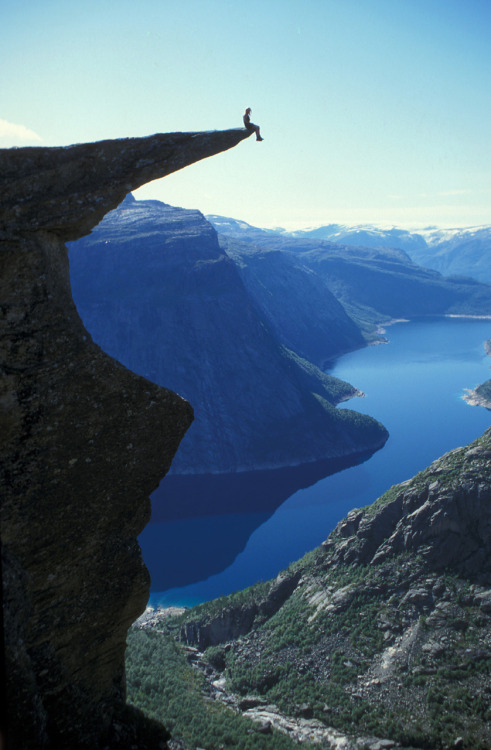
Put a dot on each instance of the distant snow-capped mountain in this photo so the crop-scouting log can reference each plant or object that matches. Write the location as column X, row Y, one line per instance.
column 365, row 235
column 456, row 252
column 453, row 252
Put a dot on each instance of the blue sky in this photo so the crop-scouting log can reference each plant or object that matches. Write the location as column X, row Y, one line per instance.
column 372, row 110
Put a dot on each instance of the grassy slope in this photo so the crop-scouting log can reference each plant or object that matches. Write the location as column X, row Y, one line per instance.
column 395, row 649
column 162, row 683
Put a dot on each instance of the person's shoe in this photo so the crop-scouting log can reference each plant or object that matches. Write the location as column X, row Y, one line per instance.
column 259, row 139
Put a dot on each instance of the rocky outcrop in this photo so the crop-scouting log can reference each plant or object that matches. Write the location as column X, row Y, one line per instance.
column 301, row 727
column 84, row 443
column 68, row 190
column 480, row 396
column 443, row 515
column 387, row 628
column 238, row 618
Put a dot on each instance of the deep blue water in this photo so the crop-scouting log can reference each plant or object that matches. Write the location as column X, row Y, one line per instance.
column 413, row 385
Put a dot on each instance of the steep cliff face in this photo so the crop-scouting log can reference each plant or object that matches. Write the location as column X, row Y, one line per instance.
column 156, row 291
column 296, row 302
column 443, row 515
column 84, row 443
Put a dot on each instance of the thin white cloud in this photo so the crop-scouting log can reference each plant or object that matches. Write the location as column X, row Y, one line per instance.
column 444, row 194
column 451, row 193
column 12, row 134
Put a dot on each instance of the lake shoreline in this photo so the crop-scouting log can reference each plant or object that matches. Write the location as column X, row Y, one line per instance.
column 430, row 364
column 473, row 398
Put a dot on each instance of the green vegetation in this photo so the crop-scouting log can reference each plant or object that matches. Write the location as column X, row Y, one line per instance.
column 333, row 389
column 162, row 684
column 289, row 672
column 451, row 695
column 385, row 499
column 322, row 659
column 396, row 650
column 242, row 598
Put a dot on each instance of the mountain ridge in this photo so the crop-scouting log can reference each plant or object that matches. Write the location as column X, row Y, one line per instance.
column 373, row 284
column 451, row 251
column 158, row 292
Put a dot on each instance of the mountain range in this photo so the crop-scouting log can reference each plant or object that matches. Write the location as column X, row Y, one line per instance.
column 452, row 252
column 158, row 293
column 241, row 327
column 85, row 441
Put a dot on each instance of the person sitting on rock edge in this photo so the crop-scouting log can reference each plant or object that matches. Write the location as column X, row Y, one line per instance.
column 250, row 125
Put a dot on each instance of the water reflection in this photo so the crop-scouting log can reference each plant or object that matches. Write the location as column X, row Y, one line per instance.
column 258, row 530
column 201, row 523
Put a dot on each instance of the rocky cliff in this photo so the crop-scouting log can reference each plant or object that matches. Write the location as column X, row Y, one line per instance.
column 296, row 302
column 383, row 631
column 84, row 442
column 157, row 291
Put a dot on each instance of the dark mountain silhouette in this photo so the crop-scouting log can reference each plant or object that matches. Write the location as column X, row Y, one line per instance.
column 157, row 292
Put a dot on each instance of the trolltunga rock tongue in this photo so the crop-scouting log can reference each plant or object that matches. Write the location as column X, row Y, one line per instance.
column 83, row 443
column 68, row 190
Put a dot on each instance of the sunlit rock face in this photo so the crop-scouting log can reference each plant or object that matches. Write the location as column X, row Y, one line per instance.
column 84, row 443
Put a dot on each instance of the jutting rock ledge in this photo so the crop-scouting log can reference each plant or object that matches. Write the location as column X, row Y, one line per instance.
column 84, row 442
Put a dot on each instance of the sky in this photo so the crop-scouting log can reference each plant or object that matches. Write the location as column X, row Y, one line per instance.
column 372, row 111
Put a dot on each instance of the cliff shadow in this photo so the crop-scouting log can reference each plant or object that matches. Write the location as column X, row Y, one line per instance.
column 200, row 523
